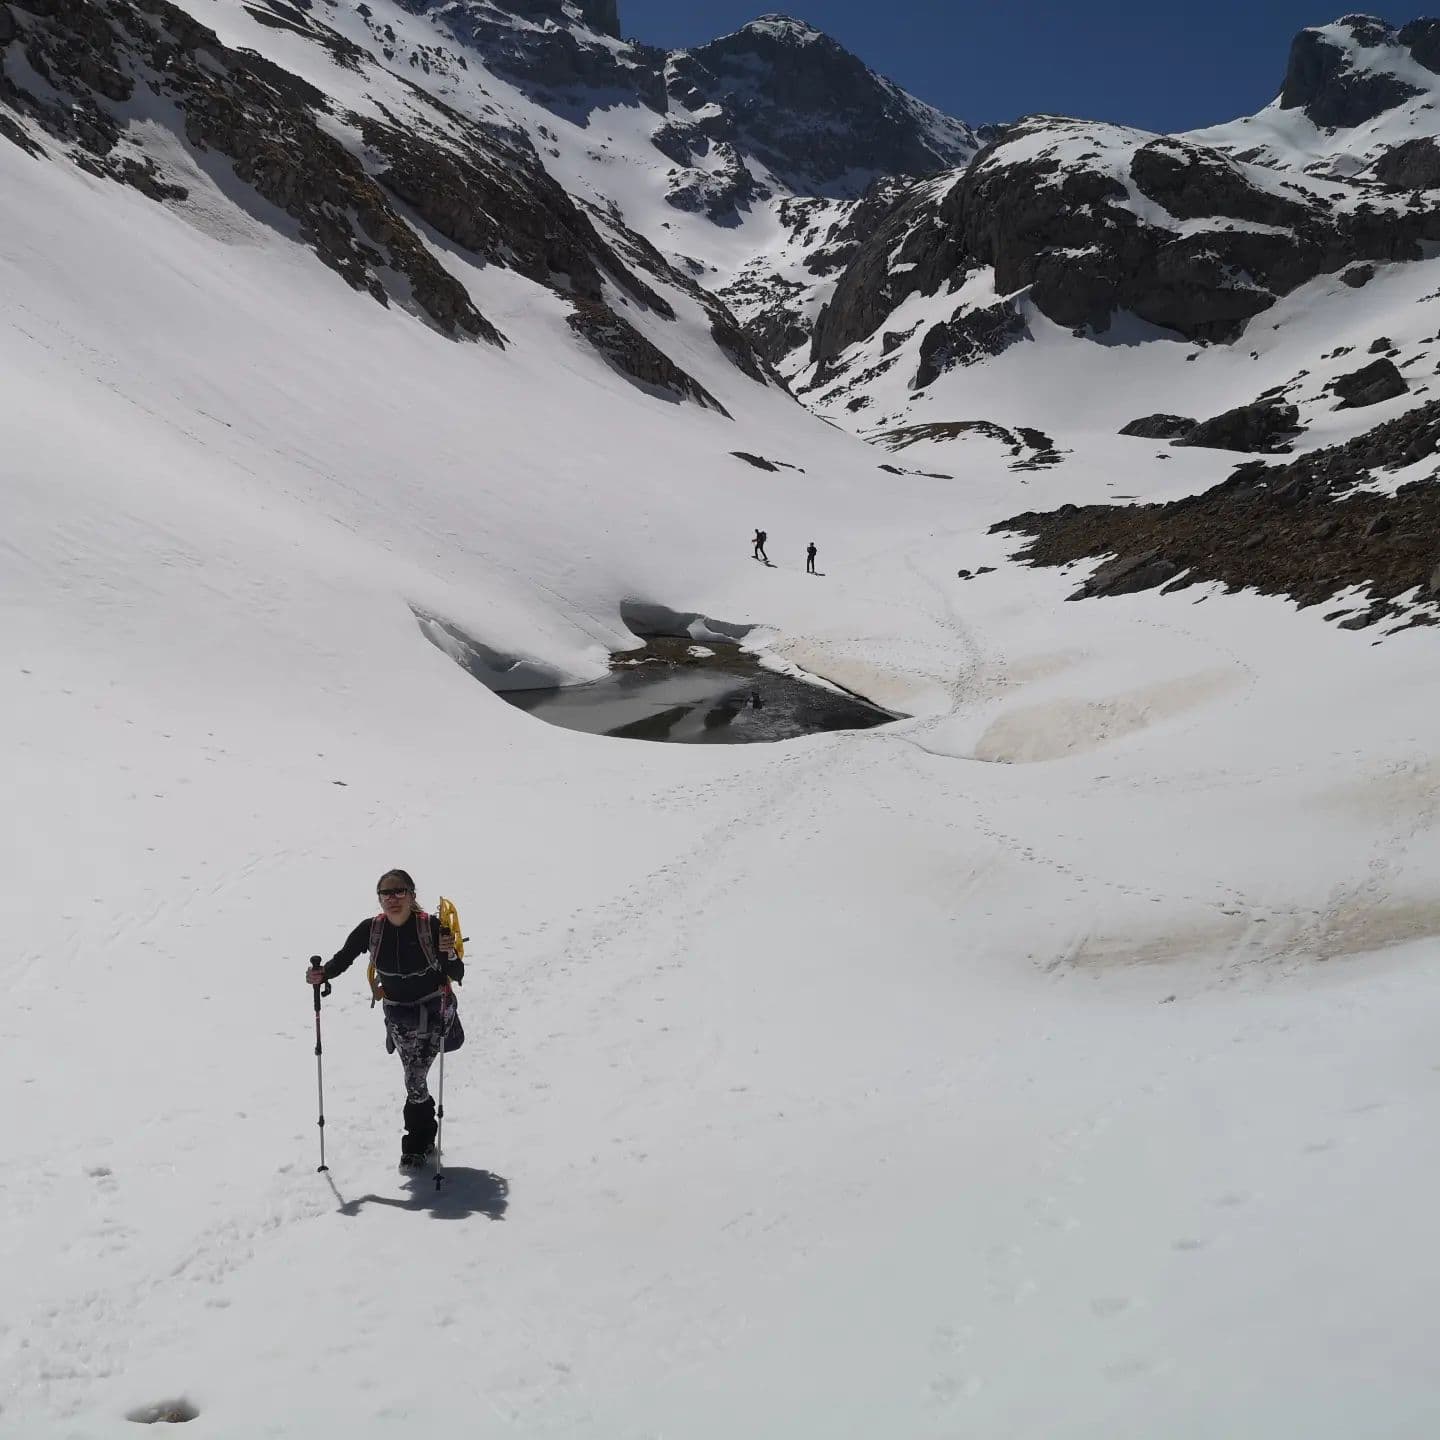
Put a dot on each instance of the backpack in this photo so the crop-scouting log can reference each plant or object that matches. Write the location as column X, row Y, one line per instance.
column 452, row 942
column 450, row 923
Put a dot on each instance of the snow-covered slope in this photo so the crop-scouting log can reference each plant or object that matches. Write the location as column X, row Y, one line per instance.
column 695, row 148
column 739, row 159
column 1118, row 273
column 1354, row 93
column 1054, row 1063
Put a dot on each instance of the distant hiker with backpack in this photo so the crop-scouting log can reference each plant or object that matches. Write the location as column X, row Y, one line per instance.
column 810, row 558
column 760, row 538
column 413, row 964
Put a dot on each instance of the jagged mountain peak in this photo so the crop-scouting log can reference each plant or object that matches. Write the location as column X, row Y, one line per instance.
column 814, row 115
column 1348, row 73
column 785, row 41
column 776, row 106
column 785, row 28
column 1368, row 30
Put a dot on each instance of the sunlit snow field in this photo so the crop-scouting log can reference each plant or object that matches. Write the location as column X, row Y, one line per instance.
column 1057, row 1062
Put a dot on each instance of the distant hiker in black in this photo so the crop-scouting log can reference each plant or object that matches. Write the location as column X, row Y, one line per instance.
column 415, row 963
column 810, row 558
column 760, row 538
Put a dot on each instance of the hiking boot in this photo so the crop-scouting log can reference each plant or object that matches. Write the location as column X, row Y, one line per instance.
column 419, row 1136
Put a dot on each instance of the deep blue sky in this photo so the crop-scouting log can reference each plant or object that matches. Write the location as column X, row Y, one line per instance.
column 1158, row 64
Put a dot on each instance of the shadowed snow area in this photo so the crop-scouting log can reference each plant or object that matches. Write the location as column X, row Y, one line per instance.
column 166, row 1412
column 1054, row 1062
column 714, row 694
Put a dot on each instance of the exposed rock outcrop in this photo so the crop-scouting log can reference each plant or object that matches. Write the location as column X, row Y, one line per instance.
column 968, row 336
column 634, row 356
column 721, row 191
column 1129, row 574
column 243, row 107
column 1093, row 220
column 1159, row 427
column 1029, row 449
column 1323, row 80
column 571, row 58
column 361, row 205
column 1193, row 183
column 1266, row 425
column 725, row 330
column 1304, row 530
column 775, row 96
column 1415, row 165
column 498, row 203
column 602, row 15
column 777, row 77
column 856, row 223
column 1369, row 385
column 916, row 249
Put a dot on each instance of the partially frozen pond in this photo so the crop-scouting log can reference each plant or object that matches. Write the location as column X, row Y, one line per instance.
column 713, row 693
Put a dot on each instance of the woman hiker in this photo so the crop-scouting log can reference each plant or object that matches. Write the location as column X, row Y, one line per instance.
column 415, row 961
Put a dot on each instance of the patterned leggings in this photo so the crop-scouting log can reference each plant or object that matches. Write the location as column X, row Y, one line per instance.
column 416, row 1033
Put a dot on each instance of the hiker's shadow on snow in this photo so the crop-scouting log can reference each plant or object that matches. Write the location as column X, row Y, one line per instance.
column 465, row 1193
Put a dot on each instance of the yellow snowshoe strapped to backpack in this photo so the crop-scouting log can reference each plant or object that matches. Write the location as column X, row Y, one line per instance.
column 449, row 920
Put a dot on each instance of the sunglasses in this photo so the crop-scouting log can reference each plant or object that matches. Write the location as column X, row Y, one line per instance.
column 392, row 894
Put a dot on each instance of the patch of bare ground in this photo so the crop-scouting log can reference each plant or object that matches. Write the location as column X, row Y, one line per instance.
column 1304, row 530
column 1029, row 449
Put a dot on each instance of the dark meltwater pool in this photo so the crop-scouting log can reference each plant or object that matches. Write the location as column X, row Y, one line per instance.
column 710, row 693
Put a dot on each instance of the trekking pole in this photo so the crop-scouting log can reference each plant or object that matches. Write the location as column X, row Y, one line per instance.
column 315, row 961
column 440, row 1123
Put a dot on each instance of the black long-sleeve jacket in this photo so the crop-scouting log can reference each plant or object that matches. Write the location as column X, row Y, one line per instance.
column 400, row 966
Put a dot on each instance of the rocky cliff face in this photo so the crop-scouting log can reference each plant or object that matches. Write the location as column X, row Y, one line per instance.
column 1411, row 165
column 1323, row 79
column 812, row 114
column 1196, row 234
column 1311, row 529
column 775, row 103
column 774, row 119
column 1348, row 73
column 358, row 188
column 89, row 62
column 779, row 311
column 568, row 60
column 890, row 199
column 1093, row 220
